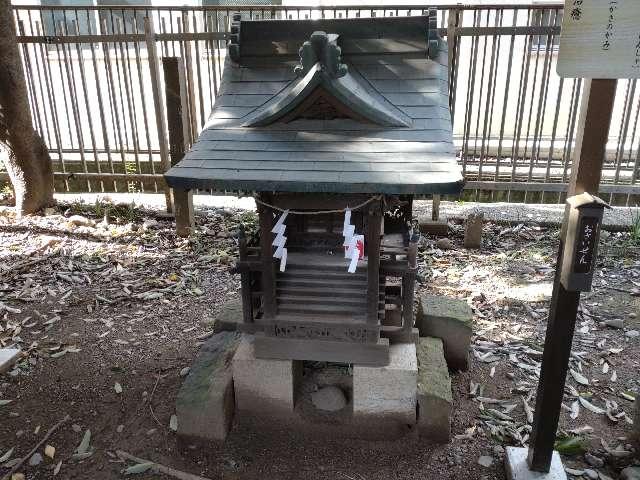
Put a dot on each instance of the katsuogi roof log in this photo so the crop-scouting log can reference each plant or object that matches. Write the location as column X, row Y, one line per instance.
column 340, row 106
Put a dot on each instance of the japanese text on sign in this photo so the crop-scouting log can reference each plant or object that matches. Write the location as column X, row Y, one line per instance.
column 600, row 39
column 587, row 236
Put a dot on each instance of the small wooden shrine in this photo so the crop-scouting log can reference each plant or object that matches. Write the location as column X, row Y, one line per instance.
column 334, row 126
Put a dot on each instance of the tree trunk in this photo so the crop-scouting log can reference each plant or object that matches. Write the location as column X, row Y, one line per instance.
column 28, row 162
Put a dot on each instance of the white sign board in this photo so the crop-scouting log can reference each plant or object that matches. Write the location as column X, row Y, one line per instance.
column 600, row 39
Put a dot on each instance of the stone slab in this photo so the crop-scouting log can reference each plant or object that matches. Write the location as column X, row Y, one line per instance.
column 473, row 230
column 264, row 387
column 322, row 350
column 8, row 356
column 229, row 317
column 439, row 228
column 449, row 319
column 516, row 466
column 388, row 392
column 435, row 402
column 205, row 404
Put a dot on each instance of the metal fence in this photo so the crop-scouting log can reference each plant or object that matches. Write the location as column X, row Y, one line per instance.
column 96, row 88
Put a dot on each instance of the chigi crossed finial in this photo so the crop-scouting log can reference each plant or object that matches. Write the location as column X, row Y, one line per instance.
column 321, row 48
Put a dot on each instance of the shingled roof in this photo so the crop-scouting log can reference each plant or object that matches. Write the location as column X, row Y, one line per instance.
column 341, row 106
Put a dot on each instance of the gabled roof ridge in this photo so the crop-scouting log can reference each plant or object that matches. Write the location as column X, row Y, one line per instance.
column 321, row 67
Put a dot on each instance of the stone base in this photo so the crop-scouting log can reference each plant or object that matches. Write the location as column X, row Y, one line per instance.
column 517, row 468
column 449, row 319
column 205, row 405
column 388, row 392
column 264, row 388
column 438, row 228
column 434, row 391
column 8, row 356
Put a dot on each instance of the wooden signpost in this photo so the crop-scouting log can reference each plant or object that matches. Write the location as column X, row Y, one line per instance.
column 600, row 41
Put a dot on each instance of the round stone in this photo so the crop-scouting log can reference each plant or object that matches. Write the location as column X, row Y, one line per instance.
column 330, row 399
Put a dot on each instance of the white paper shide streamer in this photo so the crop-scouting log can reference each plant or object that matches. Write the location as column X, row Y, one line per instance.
column 353, row 243
column 280, row 240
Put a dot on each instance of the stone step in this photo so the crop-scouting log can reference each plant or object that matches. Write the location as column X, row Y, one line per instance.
column 434, row 391
column 205, row 402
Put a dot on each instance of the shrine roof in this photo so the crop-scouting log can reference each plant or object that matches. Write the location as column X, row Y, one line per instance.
column 369, row 117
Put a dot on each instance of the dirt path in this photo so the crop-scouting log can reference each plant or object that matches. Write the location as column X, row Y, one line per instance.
column 99, row 307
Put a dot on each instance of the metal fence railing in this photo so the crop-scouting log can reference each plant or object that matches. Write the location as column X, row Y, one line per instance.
column 97, row 93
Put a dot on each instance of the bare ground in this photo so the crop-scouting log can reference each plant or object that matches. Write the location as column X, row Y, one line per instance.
column 129, row 303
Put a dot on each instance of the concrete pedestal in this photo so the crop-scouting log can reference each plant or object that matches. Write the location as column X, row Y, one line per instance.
column 264, row 388
column 389, row 392
column 517, row 468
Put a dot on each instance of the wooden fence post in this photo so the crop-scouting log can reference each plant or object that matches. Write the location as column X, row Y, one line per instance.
column 158, row 105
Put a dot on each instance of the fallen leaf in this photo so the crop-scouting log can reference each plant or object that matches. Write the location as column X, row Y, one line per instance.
column 138, row 468
column 173, row 423
column 84, row 444
column 571, row 446
column 578, row 377
column 5, row 402
column 7, row 455
column 50, row 451
column 591, row 407
column 57, row 469
column 575, row 410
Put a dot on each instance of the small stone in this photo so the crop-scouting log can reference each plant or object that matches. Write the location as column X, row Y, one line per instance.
column 444, row 244
column 184, row 371
column 473, row 230
column 615, row 323
column 330, row 399
column 150, row 223
column 591, row 474
column 35, row 459
column 485, row 461
column 76, row 428
column 120, row 428
column 80, row 221
column 632, row 334
column 593, row 460
column 630, row 473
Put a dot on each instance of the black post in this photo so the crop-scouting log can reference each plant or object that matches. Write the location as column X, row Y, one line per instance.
column 553, row 374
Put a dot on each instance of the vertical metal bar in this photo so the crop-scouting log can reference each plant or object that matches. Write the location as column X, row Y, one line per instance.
column 53, row 106
column 130, row 104
column 533, row 94
column 113, row 106
column 469, row 107
column 491, row 90
column 41, row 72
column 83, row 82
column 64, row 89
column 626, row 118
column 143, row 102
column 31, row 89
column 73, row 96
column 506, row 97
column 103, row 123
column 522, row 94
column 156, row 88
column 452, row 42
column 547, row 176
column 200, row 87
